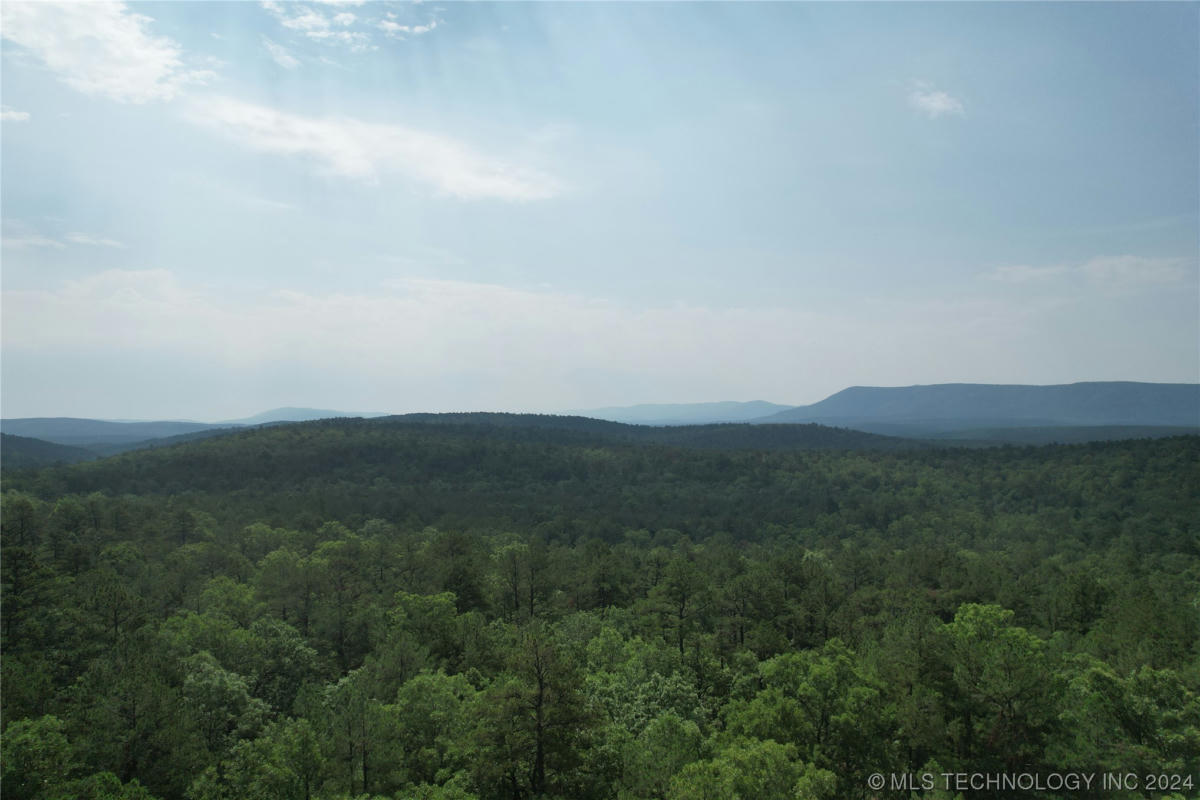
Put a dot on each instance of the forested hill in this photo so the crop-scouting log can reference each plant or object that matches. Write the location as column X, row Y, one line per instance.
column 491, row 608
column 480, row 468
column 346, row 441
column 433, row 465
column 549, row 427
column 22, row 452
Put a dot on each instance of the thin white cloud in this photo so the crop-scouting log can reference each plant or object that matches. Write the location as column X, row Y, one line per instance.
column 356, row 41
column 1023, row 273
column 1121, row 271
column 934, row 102
column 351, row 148
column 318, row 26
column 12, row 115
column 280, row 54
column 297, row 17
column 93, row 241
column 397, row 31
column 305, row 20
column 101, row 49
column 21, row 242
column 1105, row 272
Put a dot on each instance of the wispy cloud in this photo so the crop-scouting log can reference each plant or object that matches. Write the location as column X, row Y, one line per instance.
column 397, row 31
column 297, row 17
column 356, row 41
column 280, row 54
column 12, row 115
column 1108, row 272
column 934, row 102
column 318, row 26
column 101, row 48
column 1023, row 273
column 24, row 241
column 94, row 241
column 1118, row 271
column 351, row 148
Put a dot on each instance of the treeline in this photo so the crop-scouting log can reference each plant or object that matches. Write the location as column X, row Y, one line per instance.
column 469, row 476
column 342, row 610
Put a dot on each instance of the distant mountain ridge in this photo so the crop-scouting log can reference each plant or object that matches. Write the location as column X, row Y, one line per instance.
column 105, row 435
column 976, row 413
column 20, row 452
column 292, row 414
column 959, row 406
column 85, row 432
column 683, row 413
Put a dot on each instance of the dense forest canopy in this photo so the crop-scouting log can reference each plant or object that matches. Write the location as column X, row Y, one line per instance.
column 513, row 607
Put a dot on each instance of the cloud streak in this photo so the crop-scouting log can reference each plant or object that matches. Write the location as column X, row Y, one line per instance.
column 933, row 102
column 22, row 242
column 280, row 54
column 318, row 26
column 93, row 241
column 1109, row 272
column 101, row 49
column 397, row 31
column 25, row 240
column 350, row 148
column 12, row 115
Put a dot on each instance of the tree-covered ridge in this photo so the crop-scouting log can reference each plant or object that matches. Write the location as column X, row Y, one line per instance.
column 394, row 610
column 21, row 452
column 522, row 427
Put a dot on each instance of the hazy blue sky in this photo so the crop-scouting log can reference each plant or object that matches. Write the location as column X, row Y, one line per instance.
column 214, row 208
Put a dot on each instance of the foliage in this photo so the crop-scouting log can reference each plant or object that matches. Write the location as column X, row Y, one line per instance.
column 490, row 608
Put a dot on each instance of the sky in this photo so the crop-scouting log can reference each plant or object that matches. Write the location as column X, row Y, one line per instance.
column 212, row 209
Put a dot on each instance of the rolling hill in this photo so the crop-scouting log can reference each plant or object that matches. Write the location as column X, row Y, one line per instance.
column 574, row 429
column 939, row 408
column 21, row 452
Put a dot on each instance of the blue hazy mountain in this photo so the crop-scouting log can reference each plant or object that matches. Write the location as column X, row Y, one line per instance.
column 683, row 413
column 109, row 434
column 87, row 432
column 290, row 414
column 924, row 410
